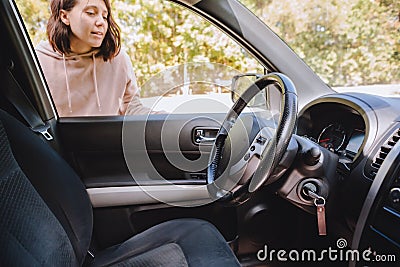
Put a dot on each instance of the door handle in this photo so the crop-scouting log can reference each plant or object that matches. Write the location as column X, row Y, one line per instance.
column 204, row 135
column 202, row 139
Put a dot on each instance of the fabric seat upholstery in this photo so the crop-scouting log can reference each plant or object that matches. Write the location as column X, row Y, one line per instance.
column 46, row 216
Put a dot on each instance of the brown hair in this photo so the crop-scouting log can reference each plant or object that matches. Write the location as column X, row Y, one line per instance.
column 58, row 33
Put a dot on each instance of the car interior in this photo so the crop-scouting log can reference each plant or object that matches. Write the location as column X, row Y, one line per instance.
column 78, row 191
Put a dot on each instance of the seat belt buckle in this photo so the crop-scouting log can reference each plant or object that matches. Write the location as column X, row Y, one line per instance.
column 43, row 130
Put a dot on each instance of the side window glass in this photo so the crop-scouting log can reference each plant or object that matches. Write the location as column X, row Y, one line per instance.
column 172, row 61
column 190, row 62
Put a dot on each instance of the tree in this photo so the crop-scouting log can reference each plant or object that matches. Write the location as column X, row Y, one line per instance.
column 347, row 42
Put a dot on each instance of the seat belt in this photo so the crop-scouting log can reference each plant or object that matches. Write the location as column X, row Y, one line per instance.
column 24, row 106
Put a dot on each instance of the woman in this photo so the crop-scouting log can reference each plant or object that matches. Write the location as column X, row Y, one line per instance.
column 84, row 68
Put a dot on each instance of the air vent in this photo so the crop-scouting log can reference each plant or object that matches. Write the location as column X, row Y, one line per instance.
column 383, row 152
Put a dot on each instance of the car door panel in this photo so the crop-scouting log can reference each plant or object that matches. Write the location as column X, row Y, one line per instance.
column 94, row 147
column 101, row 161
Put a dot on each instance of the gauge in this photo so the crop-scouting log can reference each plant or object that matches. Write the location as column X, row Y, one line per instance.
column 332, row 137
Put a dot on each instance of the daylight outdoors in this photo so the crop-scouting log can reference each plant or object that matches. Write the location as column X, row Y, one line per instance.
column 347, row 42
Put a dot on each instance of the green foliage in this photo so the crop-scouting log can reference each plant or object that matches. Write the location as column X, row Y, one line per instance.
column 35, row 14
column 347, row 42
column 160, row 34
column 157, row 35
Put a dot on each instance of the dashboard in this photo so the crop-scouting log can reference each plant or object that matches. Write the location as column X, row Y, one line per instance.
column 364, row 131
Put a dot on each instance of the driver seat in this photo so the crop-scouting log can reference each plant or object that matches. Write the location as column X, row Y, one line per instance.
column 46, row 216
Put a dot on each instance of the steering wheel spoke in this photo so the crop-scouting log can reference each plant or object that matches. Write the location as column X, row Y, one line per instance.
column 256, row 148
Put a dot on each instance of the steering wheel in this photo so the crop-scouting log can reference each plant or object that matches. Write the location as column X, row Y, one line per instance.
column 234, row 183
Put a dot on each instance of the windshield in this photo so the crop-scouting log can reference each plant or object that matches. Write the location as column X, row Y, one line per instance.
column 352, row 45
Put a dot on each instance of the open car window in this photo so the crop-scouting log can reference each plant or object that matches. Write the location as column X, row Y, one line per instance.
column 182, row 62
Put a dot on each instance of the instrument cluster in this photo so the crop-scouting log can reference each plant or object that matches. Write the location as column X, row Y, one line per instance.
column 336, row 127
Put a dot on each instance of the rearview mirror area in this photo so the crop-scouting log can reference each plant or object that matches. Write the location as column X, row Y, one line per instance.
column 239, row 85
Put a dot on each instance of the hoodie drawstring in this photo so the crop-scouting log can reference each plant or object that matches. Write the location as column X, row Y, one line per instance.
column 67, row 83
column 95, row 82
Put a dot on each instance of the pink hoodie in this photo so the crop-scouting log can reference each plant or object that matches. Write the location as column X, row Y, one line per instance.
column 85, row 85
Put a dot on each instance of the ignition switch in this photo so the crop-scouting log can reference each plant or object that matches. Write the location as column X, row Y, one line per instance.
column 309, row 190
